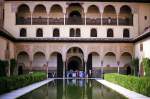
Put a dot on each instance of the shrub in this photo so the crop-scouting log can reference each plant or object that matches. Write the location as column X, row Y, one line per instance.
column 3, row 65
column 10, row 83
column 140, row 85
column 135, row 66
column 146, row 64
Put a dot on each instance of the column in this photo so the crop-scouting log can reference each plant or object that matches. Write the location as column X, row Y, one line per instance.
column 101, row 18
column 31, row 17
column 85, row 18
column 85, row 68
column 64, row 68
column 47, row 68
column 102, row 70
column 47, row 18
column 117, row 19
column 64, row 18
column 118, row 63
column 30, row 68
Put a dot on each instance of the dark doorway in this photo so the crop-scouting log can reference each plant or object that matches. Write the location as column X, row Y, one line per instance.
column 89, row 65
column 74, row 63
column 20, row 70
column 128, row 70
column 75, row 17
column 59, row 65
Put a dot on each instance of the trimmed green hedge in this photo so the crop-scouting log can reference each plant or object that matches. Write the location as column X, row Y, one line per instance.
column 140, row 85
column 10, row 83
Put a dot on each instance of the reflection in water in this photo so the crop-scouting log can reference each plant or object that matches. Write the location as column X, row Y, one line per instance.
column 73, row 89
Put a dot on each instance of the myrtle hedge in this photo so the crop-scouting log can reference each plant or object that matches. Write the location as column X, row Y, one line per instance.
column 11, row 83
column 140, row 85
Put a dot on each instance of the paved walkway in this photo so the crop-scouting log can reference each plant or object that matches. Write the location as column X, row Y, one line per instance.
column 129, row 94
column 21, row 91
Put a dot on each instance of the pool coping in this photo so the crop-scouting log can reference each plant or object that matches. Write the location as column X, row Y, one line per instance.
column 24, row 90
column 123, row 91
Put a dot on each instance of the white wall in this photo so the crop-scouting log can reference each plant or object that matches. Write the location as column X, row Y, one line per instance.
column 146, row 49
column 110, row 60
column 96, row 61
column 39, row 60
column 52, row 61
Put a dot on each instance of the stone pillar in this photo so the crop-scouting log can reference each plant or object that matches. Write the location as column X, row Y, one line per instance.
column 117, row 19
column 32, row 10
column 64, row 69
column 101, row 11
column 117, row 12
column 85, row 68
column 47, row 18
column 118, row 63
column 64, row 18
column 30, row 67
column 31, row 17
column 85, row 18
column 102, row 70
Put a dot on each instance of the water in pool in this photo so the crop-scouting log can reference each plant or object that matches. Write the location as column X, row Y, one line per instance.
column 73, row 89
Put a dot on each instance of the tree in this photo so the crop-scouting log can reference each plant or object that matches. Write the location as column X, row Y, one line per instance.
column 135, row 66
column 146, row 64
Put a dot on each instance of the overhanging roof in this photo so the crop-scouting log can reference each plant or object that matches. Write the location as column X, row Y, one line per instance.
column 144, row 1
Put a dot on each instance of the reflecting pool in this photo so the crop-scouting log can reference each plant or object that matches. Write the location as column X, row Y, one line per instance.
column 73, row 89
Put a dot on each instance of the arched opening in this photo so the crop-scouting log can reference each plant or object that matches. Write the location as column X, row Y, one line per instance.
column 93, row 62
column 55, row 64
column 75, row 14
column 110, row 59
column 125, row 16
column 39, row 15
column 75, row 18
column 56, row 33
column 23, row 15
column 39, row 60
column 93, row 33
column 125, row 59
column 23, row 32
column 23, row 60
column 93, row 15
column 75, row 62
column 126, row 33
column 72, row 32
column 39, row 32
column 78, row 32
column 109, row 15
column 110, row 33
column 56, row 15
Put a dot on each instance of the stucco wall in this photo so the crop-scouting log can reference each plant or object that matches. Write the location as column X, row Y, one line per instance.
column 146, row 49
column 3, row 46
column 10, row 21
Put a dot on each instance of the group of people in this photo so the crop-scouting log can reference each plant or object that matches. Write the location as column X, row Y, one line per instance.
column 76, row 73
